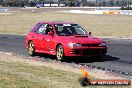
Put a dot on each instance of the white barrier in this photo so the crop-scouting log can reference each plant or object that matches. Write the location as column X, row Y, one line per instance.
column 85, row 12
column 54, row 5
column 116, row 12
column 107, row 8
column 126, row 12
column 3, row 10
column 46, row 5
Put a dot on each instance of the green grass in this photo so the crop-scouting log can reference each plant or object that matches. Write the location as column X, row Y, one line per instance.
column 22, row 75
column 99, row 25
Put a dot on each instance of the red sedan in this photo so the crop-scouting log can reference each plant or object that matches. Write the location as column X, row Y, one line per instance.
column 63, row 39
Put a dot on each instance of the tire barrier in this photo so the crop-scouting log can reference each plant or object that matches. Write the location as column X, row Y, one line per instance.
column 111, row 12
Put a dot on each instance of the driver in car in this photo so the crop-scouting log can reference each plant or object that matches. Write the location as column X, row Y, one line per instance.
column 48, row 29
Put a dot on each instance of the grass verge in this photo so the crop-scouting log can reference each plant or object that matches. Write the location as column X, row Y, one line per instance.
column 19, row 73
column 99, row 25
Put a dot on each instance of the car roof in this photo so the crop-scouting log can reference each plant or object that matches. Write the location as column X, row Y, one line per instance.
column 56, row 22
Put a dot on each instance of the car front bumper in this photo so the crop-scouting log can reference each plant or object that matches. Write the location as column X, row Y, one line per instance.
column 83, row 51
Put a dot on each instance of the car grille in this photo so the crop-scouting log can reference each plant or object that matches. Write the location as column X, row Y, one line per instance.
column 87, row 52
column 90, row 45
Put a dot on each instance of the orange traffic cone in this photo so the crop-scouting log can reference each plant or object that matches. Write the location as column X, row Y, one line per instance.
column 84, row 73
column 84, row 81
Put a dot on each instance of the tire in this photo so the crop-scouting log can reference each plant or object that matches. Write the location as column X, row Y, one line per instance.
column 31, row 49
column 60, row 53
column 84, row 81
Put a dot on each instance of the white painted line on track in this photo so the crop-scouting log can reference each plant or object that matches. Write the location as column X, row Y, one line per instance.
column 7, row 53
column 12, row 34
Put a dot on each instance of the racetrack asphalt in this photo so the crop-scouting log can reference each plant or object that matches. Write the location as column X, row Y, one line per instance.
column 119, row 56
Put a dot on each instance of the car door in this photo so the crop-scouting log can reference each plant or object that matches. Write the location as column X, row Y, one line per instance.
column 39, row 37
column 49, row 43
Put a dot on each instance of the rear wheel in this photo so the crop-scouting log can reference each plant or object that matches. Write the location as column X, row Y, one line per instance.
column 84, row 81
column 31, row 49
column 60, row 53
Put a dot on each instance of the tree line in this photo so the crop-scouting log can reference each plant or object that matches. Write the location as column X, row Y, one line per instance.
column 71, row 3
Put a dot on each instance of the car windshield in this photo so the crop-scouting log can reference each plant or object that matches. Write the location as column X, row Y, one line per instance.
column 69, row 29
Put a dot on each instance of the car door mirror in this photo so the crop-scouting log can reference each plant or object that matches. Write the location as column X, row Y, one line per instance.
column 50, row 33
column 90, row 33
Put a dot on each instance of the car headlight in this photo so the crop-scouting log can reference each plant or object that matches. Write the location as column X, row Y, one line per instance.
column 74, row 45
column 102, row 44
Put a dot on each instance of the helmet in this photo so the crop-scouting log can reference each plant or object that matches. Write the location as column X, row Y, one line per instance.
column 50, row 27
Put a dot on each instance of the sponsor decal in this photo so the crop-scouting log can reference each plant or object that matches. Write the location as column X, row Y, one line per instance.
column 85, row 81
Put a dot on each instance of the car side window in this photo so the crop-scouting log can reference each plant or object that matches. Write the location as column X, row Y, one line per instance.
column 41, row 29
column 36, row 25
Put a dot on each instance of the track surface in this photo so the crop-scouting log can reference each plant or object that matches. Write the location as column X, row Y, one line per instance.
column 119, row 56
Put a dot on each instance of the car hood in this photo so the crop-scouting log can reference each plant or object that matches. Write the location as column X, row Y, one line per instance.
column 83, row 39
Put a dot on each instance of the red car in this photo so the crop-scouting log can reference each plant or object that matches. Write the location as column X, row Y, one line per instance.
column 63, row 39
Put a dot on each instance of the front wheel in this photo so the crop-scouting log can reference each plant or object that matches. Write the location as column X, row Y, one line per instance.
column 31, row 49
column 60, row 53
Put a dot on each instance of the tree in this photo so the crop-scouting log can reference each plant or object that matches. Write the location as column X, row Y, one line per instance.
column 1, row 1
column 104, row 3
column 111, row 3
column 59, row 2
column 117, row 3
column 83, row 2
column 32, row 4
